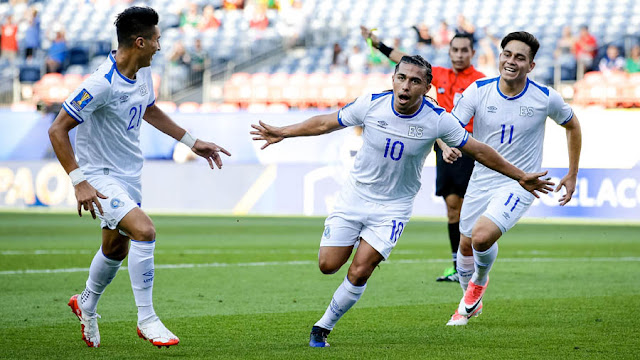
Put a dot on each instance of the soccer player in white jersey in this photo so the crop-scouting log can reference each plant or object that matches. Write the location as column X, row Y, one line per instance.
column 509, row 113
column 108, row 108
column 374, row 206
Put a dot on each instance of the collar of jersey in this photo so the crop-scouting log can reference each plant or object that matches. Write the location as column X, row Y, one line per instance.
column 526, row 86
column 406, row 116
column 118, row 71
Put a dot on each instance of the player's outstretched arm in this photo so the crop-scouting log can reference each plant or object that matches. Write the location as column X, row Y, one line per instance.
column 490, row 158
column 208, row 150
column 316, row 125
column 394, row 54
column 86, row 195
column 574, row 143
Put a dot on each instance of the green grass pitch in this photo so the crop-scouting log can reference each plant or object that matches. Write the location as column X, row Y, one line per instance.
column 249, row 288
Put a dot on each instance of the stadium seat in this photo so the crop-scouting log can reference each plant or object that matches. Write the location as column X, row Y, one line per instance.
column 29, row 73
column 78, row 56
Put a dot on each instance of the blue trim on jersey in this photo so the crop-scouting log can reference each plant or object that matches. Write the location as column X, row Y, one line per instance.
column 118, row 71
column 340, row 118
column 526, row 86
column 460, row 122
column 405, row 116
column 437, row 109
column 569, row 118
column 484, row 82
column 544, row 89
column 152, row 103
column 377, row 96
column 109, row 75
column 72, row 113
column 464, row 140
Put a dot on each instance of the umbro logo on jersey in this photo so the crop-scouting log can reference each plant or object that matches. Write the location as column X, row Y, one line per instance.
column 492, row 109
column 124, row 98
column 143, row 90
column 383, row 124
column 506, row 215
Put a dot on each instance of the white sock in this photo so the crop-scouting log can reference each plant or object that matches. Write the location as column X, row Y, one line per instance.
column 101, row 272
column 483, row 262
column 141, row 272
column 343, row 299
column 465, row 270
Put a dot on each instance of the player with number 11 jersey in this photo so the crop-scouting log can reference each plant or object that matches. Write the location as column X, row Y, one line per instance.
column 514, row 126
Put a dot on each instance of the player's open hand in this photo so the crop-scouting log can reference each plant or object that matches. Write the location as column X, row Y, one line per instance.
column 268, row 133
column 569, row 183
column 87, row 195
column 368, row 34
column 532, row 183
column 210, row 151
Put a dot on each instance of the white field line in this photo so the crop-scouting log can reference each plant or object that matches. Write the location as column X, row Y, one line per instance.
column 187, row 252
column 309, row 262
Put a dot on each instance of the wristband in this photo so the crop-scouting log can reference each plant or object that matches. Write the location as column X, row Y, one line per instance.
column 384, row 49
column 77, row 176
column 188, row 140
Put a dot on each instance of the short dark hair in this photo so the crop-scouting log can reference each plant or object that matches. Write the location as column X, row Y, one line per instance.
column 134, row 22
column 418, row 61
column 463, row 36
column 526, row 38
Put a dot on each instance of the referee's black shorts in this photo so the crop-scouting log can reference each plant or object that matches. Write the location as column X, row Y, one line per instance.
column 452, row 178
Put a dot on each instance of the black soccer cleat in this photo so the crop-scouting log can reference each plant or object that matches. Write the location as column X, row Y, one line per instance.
column 318, row 337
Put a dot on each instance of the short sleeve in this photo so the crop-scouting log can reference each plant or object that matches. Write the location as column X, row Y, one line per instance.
column 464, row 108
column 559, row 110
column 152, row 94
column 353, row 113
column 450, row 131
column 84, row 100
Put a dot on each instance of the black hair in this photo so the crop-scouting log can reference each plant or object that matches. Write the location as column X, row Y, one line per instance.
column 134, row 22
column 418, row 61
column 526, row 38
column 463, row 36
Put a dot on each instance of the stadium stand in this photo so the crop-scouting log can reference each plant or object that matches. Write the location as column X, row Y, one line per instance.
column 304, row 76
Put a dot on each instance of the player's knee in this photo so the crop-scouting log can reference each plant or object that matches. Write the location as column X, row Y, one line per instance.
column 481, row 239
column 145, row 233
column 328, row 266
column 359, row 274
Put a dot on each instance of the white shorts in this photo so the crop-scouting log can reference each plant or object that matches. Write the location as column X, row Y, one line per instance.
column 123, row 196
column 504, row 206
column 380, row 225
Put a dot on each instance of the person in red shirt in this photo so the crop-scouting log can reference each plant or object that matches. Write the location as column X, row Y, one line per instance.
column 586, row 48
column 452, row 177
column 8, row 41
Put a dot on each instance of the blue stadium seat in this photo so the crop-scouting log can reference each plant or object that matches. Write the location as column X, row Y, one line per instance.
column 30, row 73
column 78, row 56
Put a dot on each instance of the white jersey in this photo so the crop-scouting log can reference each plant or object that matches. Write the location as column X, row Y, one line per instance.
column 389, row 165
column 513, row 126
column 110, row 108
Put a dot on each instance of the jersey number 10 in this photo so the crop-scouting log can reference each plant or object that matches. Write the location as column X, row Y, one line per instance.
column 396, row 150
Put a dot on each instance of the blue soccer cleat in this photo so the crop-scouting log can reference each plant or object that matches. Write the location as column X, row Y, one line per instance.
column 318, row 337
